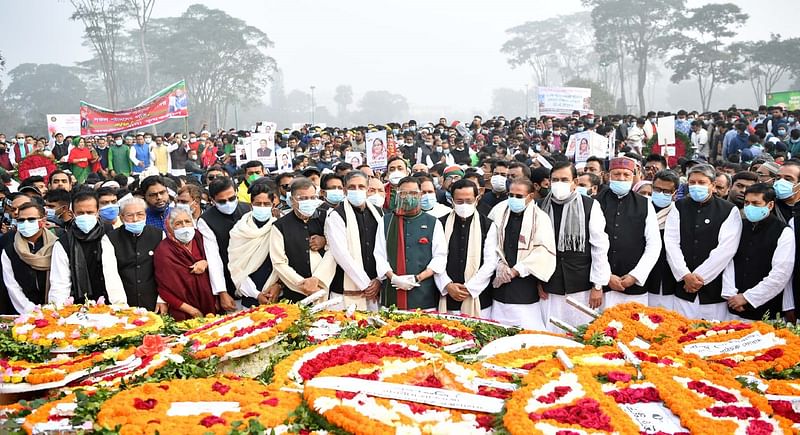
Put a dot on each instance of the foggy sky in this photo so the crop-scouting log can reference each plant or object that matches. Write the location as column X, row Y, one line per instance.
column 443, row 55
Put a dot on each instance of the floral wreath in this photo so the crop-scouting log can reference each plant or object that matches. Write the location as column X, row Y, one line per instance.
column 241, row 330
column 626, row 322
column 54, row 416
column 196, row 406
column 35, row 161
column 153, row 354
column 447, row 335
column 72, row 325
column 683, row 145
column 569, row 402
column 329, row 324
column 56, row 369
column 780, row 351
column 360, row 413
column 307, row 363
column 708, row 402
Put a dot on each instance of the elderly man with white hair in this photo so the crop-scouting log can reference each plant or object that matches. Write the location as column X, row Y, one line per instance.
column 128, row 258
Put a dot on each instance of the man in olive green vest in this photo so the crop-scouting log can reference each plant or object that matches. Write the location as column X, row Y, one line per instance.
column 416, row 249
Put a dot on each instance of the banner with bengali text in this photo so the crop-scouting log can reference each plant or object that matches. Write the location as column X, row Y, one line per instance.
column 170, row 102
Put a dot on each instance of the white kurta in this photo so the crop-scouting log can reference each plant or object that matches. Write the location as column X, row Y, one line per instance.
column 527, row 316
column 216, row 270
column 614, row 298
column 556, row 306
column 772, row 284
column 719, row 257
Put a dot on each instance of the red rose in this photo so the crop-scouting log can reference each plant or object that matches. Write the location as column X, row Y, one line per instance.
column 151, row 345
column 144, row 405
column 424, row 241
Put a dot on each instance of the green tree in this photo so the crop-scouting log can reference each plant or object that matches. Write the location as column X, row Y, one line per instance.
column 343, row 98
column 222, row 58
column 543, row 46
column 768, row 62
column 36, row 90
column 705, row 52
column 382, row 107
column 639, row 29
column 602, row 100
column 103, row 22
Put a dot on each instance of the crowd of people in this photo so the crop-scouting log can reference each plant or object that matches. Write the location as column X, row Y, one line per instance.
column 488, row 219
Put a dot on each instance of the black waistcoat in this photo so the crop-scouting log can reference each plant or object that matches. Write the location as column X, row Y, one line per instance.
column 221, row 225
column 135, row 264
column 457, row 256
column 296, row 235
column 700, row 226
column 625, row 225
column 519, row 290
column 753, row 262
column 572, row 268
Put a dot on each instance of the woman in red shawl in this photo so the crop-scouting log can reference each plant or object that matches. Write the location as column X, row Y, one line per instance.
column 182, row 271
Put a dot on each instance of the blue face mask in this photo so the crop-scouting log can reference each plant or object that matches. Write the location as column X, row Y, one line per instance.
column 262, row 214
column 517, row 205
column 109, row 212
column 698, row 193
column 428, row 201
column 334, row 196
column 135, row 227
column 307, row 207
column 755, row 213
column 357, row 197
column 783, row 189
column 582, row 190
column 661, row 200
column 620, row 188
column 27, row 228
column 86, row 222
column 51, row 213
column 228, row 208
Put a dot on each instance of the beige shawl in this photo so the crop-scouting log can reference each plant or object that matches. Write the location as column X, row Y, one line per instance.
column 248, row 248
column 536, row 247
column 469, row 306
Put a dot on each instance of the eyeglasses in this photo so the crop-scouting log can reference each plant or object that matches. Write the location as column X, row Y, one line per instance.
column 224, row 201
column 30, row 219
column 286, row 186
column 665, row 191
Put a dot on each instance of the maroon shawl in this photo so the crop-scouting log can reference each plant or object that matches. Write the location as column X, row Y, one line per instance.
column 176, row 284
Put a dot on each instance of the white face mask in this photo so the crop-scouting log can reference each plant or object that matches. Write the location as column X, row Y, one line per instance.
column 498, row 183
column 464, row 210
column 376, row 200
column 560, row 190
column 396, row 176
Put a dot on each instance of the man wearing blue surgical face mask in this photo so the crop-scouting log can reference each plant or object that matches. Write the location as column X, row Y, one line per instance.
column 661, row 284
column 356, row 240
column 248, row 250
column 332, row 191
column 215, row 225
column 128, row 258
column 301, row 266
column 787, row 190
column 26, row 260
column 701, row 236
column 632, row 231
column 753, row 283
column 109, row 209
column 77, row 263
column 522, row 235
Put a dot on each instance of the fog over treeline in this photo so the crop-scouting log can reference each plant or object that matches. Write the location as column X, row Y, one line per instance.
column 356, row 63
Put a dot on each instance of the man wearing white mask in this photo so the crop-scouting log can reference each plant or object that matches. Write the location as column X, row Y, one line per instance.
column 522, row 236
column 464, row 283
column 77, row 263
column 356, row 241
column 581, row 249
column 499, row 191
column 701, row 237
column 634, row 240
column 248, row 250
column 376, row 194
column 301, row 270
column 215, row 224
column 396, row 170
